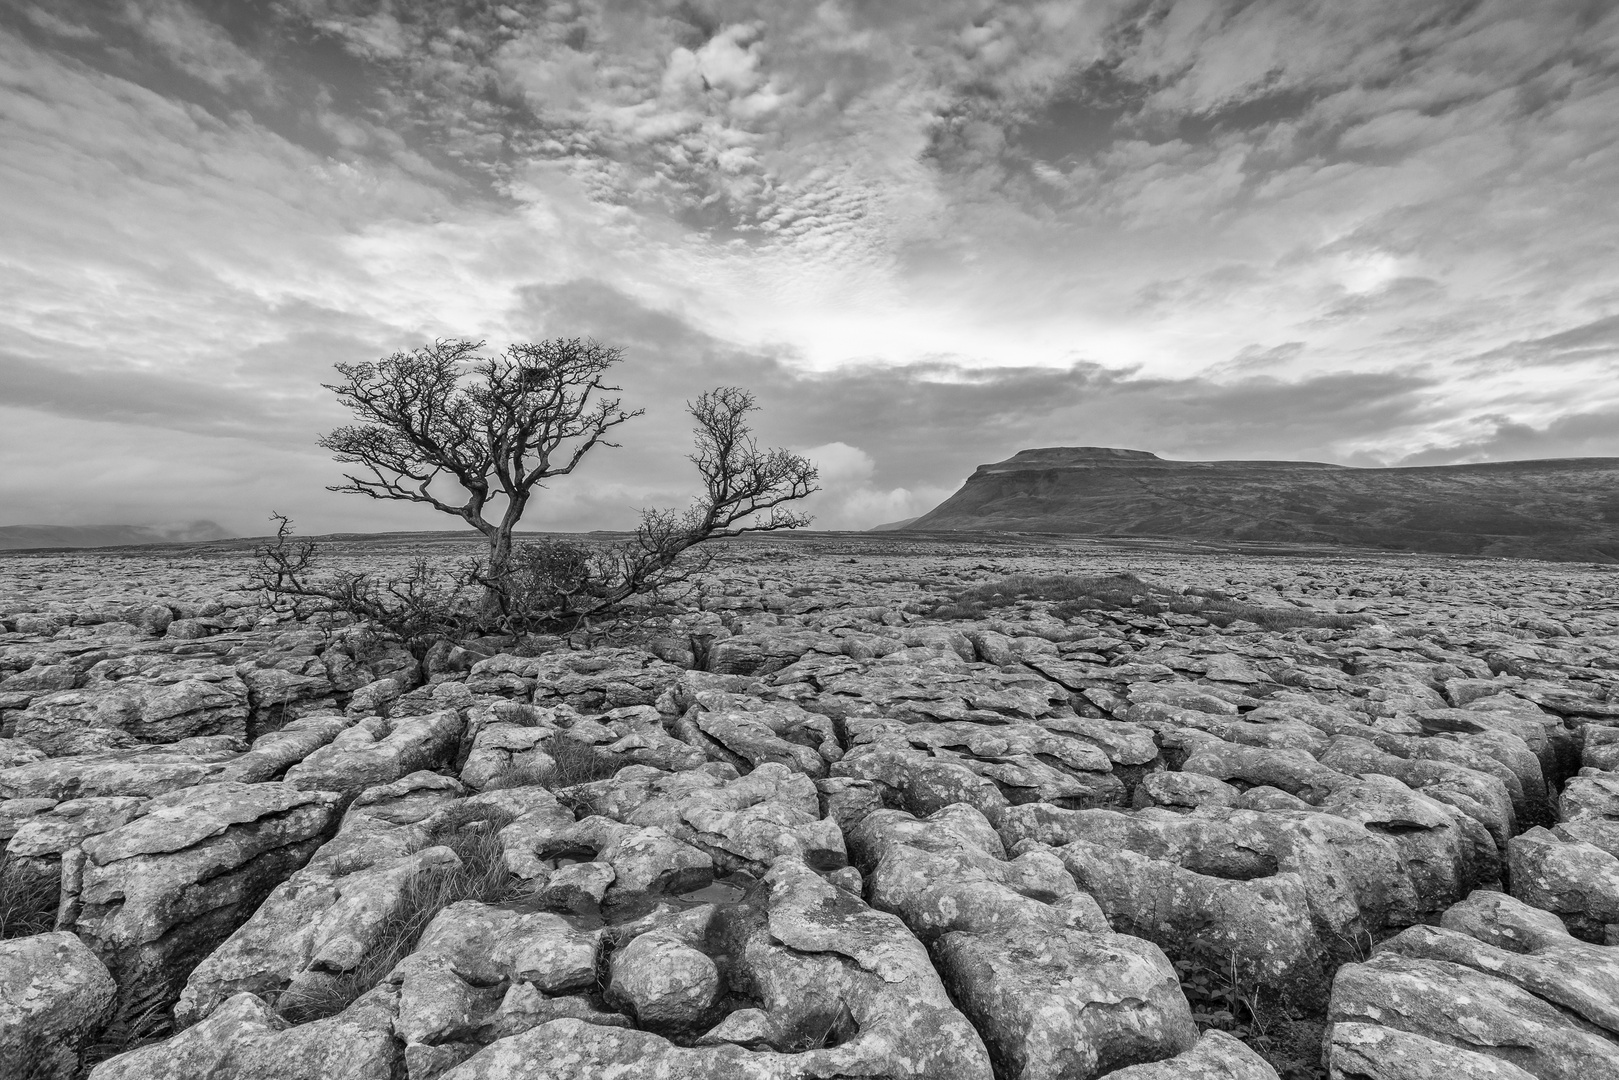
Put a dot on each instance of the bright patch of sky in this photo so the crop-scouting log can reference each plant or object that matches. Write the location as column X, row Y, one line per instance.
column 927, row 233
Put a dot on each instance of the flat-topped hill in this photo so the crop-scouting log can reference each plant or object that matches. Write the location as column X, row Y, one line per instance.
column 1557, row 508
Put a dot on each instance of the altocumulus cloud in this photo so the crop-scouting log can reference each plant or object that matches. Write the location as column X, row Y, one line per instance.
column 926, row 233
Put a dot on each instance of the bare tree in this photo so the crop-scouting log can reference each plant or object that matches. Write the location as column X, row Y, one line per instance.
column 746, row 489
column 498, row 427
column 494, row 426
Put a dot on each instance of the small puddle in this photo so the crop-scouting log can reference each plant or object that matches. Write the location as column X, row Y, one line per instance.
column 726, row 890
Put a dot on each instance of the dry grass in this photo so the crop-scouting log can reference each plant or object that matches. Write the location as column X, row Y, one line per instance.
column 575, row 763
column 472, row 833
column 27, row 902
column 1072, row 597
column 519, row 777
column 579, row 763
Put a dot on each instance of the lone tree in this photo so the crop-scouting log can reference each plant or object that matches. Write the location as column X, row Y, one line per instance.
column 495, row 426
column 460, row 431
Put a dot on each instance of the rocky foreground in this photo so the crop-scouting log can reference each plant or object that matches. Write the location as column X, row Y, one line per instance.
column 812, row 831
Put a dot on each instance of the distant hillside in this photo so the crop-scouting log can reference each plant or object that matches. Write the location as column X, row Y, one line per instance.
column 891, row 526
column 1560, row 508
column 17, row 537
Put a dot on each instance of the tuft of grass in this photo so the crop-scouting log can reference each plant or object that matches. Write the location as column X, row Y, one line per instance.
column 579, row 763
column 472, row 832
column 27, row 902
column 576, row 763
column 1073, row 597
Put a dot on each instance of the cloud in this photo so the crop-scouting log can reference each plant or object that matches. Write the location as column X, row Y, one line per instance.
column 1581, row 434
column 927, row 233
column 1596, row 340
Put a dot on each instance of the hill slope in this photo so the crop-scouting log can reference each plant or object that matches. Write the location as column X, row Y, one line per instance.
column 1560, row 508
column 18, row 537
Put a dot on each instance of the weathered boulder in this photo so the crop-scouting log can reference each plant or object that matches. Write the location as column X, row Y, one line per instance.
column 750, row 822
column 323, row 921
column 1026, row 761
column 1448, row 853
column 34, row 854
column 144, row 772
column 1505, row 922
column 1455, row 1004
column 1576, row 881
column 505, row 750
column 748, row 732
column 663, row 982
column 154, row 896
column 932, row 691
column 1053, row 1003
column 1592, row 794
column 54, row 997
column 767, row 651
column 128, row 702
column 272, row 753
column 843, row 991
column 644, row 860
column 1217, row 1056
column 1186, row 790
column 919, row 781
column 14, row 753
column 1357, row 881
column 1373, row 1052
column 1261, row 926
column 1479, row 795
column 633, row 735
column 1292, row 771
column 1029, row 960
column 592, row 682
column 1580, row 978
column 741, row 823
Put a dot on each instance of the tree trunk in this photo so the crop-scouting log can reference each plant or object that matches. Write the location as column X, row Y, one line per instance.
column 500, row 557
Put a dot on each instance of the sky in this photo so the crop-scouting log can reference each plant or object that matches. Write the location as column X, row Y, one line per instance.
column 926, row 234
